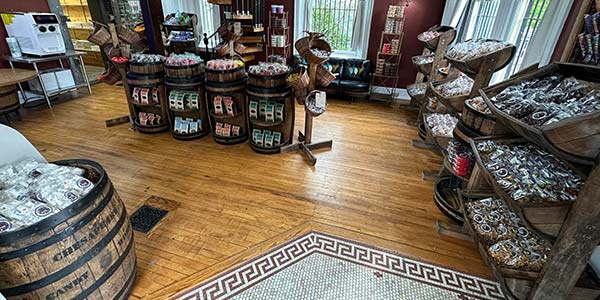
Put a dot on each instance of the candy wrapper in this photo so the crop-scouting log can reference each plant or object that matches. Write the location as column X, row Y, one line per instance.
column 546, row 100
column 7, row 225
column 474, row 48
column 224, row 64
column 460, row 86
column 428, row 36
column 529, row 174
column 146, row 58
column 442, row 124
column 268, row 69
column 521, row 254
column 32, row 191
column 186, row 59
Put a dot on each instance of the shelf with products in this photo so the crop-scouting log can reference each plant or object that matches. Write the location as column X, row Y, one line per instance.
column 181, row 32
column 226, row 102
column 387, row 65
column 583, row 46
column 506, row 234
column 278, row 37
column 271, row 108
column 187, row 107
column 553, row 192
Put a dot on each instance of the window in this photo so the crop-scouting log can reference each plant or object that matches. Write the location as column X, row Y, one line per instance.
column 345, row 23
column 335, row 19
column 531, row 22
column 208, row 14
column 496, row 19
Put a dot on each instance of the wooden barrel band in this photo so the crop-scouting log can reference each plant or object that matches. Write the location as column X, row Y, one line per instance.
column 109, row 272
column 7, row 239
column 34, row 285
column 60, row 235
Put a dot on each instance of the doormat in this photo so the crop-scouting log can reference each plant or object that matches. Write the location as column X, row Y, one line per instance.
column 146, row 217
column 321, row 266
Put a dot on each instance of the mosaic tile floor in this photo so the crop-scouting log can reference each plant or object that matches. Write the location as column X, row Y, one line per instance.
column 320, row 266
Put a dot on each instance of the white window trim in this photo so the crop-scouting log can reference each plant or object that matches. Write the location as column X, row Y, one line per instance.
column 360, row 42
column 507, row 24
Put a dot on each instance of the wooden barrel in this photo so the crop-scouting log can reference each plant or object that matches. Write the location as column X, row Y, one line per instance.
column 85, row 251
column 447, row 200
column 236, row 91
column 282, row 124
column 145, row 80
column 196, row 85
column 222, row 76
column 264, row 81
column 189, row 71
column 149, row 81
column 146, row 68
column 9, row 99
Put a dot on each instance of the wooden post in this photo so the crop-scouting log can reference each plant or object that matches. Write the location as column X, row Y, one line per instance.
column 572, row 250
column 153, row 18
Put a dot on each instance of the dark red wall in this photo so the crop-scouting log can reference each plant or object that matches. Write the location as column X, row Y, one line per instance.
column 19, row 6
column 419, row 16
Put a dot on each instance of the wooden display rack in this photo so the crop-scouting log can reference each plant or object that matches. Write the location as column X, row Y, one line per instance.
column 183, row 46
column 305, row 139
column 574, row 226
column 436, row 47
column 481, row 70
column 381, row 79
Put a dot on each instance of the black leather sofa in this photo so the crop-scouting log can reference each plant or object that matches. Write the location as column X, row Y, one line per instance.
column 353, row 77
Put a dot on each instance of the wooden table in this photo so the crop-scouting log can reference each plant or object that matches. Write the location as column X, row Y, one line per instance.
column 8, row 79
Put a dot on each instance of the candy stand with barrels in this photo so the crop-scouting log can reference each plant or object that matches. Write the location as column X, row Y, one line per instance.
column 429, row 66
column 64, row 233
column 194, row 99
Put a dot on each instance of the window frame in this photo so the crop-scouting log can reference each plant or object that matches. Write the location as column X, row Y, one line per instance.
column 302, row 22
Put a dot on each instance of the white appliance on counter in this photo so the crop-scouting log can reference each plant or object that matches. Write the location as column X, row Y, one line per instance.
column 37, row 33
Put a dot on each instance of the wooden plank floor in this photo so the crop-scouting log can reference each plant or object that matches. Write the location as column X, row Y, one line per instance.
column 368, row 187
